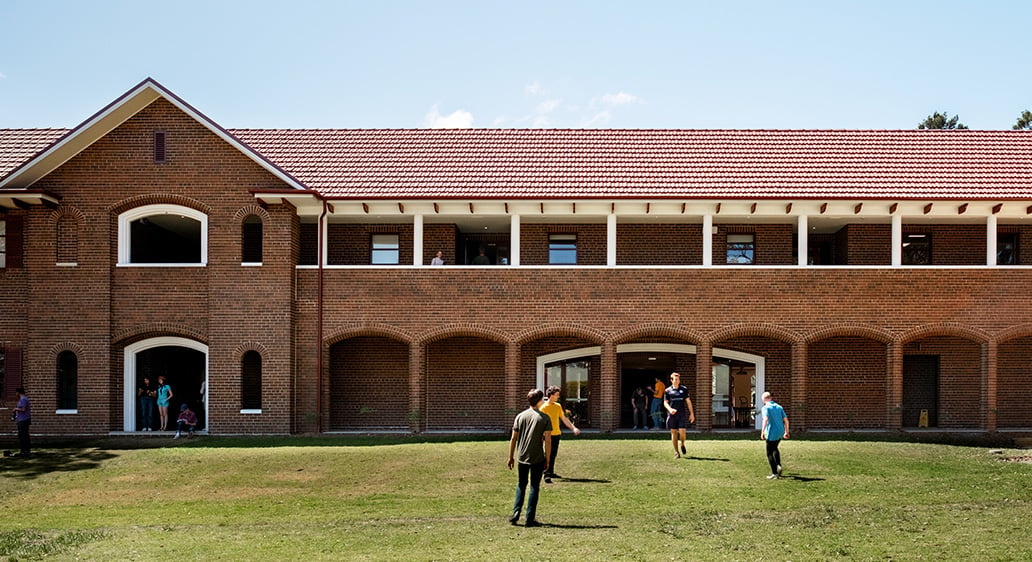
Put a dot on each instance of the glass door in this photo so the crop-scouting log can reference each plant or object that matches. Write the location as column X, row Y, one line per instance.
column 572, row 378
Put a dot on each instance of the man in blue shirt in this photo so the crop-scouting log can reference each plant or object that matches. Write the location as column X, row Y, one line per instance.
column 23, row 415
column 775, row 428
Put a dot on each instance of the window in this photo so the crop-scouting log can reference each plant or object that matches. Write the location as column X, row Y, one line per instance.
column 162, row 235
column 11, row 242
column 10, row 373
column 572, row 377
column 1007, row 249
column 67, row 381
column 741, row 249
column 251, row 381
column 562, row 249
column 917, row 249
column 385, row 250
column 251, row 243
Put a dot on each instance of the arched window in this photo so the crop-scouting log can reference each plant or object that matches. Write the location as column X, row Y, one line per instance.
column 162, row 235
column 251, row 381
column 67, row 381
column 251, row 240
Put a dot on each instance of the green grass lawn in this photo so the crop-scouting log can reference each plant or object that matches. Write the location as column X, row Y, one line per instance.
column 325, row 498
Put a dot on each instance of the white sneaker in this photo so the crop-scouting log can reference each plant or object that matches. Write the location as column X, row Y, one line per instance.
column 176, row 436
column 772, row 477
column 779, row 470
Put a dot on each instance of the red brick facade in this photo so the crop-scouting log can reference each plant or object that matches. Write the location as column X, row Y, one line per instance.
column 456, row 348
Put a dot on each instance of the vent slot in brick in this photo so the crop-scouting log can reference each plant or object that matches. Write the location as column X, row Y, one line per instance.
column 159, row 147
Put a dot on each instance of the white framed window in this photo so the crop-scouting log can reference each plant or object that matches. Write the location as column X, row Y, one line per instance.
column 741, row 249
column 562, row 249
column 162, row 235
column 385, row 250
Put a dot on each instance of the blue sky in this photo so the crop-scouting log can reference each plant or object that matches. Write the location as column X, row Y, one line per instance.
column 561, row 64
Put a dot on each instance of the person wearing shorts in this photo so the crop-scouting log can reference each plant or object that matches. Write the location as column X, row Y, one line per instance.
column 679, row 412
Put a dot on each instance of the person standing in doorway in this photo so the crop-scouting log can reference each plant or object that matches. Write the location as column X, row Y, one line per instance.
column 147, row 393
column 531, row 435
column 164, row 397
column 675, row 400
column 438, row 259
column 656, row 409
column 554, row 410
column 775, row 428
column 481, row 259
column 638, row 401
column 23, row 417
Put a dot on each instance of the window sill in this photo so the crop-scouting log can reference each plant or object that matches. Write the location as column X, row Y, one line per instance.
column 251, row 264
column 162, row 265
column 67, row 264
column 258, row 411
column 62, row 412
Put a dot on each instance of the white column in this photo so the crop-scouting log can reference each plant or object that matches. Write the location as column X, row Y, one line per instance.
column 417, row 240
column 325, row 240
column 897, row 240
column 804, row 240
column 514, row 241
column 611, row 240
column 707, row 240
column 990, row 240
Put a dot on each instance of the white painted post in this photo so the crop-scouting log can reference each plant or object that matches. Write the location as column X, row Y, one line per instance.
column 611, row 240
column 990, row 240
column 417, row 240
column 804, row 240
column 514, row 241
column 897, row 240
column 707, row 240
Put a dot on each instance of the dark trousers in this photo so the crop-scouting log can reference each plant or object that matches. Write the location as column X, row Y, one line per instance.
column 531, row 473
column 551, row 456
column 639, row 417
column 23, row 436
column 146, row 412
column 773, row 455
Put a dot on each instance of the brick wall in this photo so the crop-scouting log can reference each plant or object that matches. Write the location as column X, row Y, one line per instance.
column 1013, row 379
column 846, row 383
column 465, row 377
column 368, row 383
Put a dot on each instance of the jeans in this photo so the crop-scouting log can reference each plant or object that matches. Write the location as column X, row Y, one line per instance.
column 182, row 426
column 532, row 472
column 773, row 455
column 639, row 417
column 146, row 411
column 23, row 436
column 657, row 412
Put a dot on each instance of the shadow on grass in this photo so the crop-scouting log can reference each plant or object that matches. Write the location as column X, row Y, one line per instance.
column 691, row 458
column 560, row 526
column 588, row 480
column 802, row 478
column 52, row 460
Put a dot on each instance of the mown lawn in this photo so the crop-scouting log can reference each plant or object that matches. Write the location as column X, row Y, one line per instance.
column 331, row 499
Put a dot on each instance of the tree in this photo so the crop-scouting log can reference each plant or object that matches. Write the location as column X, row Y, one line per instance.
column 941, row 121
column 1024, row 122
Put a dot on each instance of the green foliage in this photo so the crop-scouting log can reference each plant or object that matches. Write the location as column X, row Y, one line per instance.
column 1024, row 121
column 941, row 121
column 447, row 499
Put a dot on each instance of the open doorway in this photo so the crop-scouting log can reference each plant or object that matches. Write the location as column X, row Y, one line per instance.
column 641, row 370
column 920, row 391
column 734, row 394
column 183, row 363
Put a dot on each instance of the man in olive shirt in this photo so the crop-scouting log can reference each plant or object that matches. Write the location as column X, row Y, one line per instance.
column 532, row 434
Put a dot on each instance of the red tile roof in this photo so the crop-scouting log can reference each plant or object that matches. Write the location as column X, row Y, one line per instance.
column 595, row 163
column 18, row 145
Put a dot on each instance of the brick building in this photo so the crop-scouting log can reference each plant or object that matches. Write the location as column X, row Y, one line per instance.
column 281, row 279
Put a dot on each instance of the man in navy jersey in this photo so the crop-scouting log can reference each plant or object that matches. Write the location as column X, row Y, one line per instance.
column 675, row 398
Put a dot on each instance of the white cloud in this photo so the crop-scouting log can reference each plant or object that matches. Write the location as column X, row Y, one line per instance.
column 2, row 75
column 547, row 106
column 458, row 119
column 598, row 119
column 621, row 98
column 533, row 89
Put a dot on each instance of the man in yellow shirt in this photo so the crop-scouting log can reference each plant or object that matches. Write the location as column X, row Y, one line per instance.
column 657, row 404
column 554, row 410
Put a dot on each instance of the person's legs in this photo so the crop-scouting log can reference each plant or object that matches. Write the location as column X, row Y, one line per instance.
column 773, row 457
column 523, row 471
column 673, row 441
column 147, row 412
column 681, row 434
column 550, row 470
column 536, row 471
column 23, row 437
column 657, row 417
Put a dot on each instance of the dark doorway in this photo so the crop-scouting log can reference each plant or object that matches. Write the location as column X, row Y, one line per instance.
column 920, row 389
column 641, row 370
column 495, row 247
column 184, row 370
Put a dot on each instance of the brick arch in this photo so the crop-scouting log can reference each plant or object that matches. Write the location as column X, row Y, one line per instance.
column 66, row 211
column 850, row 330
column 657, row 329
column 945, row 329
column 556, row 329
column 1014, row 332
column 60, row 347
column 468, row 330
column 158, row 199
column 762, row 329
column 249, row 210
column 368, row 329
column 246, row 346
column 158, row 329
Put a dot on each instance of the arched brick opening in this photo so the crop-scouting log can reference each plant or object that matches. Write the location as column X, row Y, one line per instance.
column 465, row 378
column 942, row 374
column 368, row 384
column 846, row 383
column 1013, row 380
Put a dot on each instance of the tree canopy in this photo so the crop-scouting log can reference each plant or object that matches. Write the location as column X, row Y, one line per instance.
column 1024, row 121
column 941, row 121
